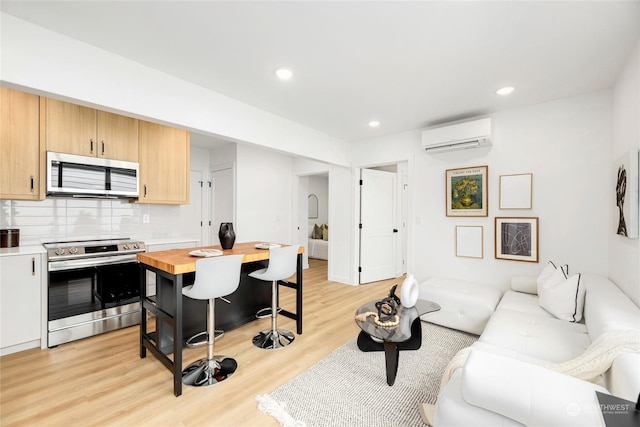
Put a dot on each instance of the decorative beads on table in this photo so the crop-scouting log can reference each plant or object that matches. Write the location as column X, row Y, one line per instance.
column 362, row 317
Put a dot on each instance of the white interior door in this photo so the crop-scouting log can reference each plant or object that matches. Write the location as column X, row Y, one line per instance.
column 193, row 217
column 378, row 228
column 223, row 201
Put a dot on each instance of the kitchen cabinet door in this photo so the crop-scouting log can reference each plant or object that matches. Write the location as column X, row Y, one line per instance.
column 117, row 137
column 70, row 128
column 164, row 164
column 20, row 300
column 21, row 149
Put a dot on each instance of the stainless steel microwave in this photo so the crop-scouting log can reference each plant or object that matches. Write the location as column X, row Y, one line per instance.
column 70, row 175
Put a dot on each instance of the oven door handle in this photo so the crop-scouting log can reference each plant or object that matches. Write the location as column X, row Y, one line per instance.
column 90, row 262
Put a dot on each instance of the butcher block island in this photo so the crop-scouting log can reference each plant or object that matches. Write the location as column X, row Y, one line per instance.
column 178, row 318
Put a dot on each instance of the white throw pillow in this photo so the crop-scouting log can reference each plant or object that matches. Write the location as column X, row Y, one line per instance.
column 553, row 273
column 546, row 273
column 563, row 298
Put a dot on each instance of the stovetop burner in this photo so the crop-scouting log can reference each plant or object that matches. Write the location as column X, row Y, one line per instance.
column 92, row 248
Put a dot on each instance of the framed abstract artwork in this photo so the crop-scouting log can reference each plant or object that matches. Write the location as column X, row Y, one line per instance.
column 626, row 191
column 516, row 239
column 469, row 240
column 515, row 191
column 466, row 191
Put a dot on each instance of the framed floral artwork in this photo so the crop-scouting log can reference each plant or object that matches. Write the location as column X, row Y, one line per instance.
column 466, row 191
column 517, row 239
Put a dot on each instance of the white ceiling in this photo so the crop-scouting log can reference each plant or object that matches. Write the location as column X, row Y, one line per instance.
column 407, row 64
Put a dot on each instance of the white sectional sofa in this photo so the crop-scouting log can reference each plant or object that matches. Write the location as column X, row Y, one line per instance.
column 516, row 374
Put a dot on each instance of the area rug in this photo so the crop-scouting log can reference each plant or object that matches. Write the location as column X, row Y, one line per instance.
column 348, row 387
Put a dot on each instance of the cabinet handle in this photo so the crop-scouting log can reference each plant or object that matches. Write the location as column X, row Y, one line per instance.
column 103, row 148
column 91, row 141
column 145, row 191
column 33, row 266
column 32, row 183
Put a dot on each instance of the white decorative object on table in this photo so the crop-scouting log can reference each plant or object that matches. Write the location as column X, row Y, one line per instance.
column 267, row 245
column 205, row 253
column 409, row 291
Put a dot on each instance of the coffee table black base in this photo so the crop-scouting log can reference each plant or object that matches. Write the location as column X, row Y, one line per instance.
column 392, row 349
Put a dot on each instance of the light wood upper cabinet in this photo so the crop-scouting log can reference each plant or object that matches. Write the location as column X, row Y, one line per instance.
column 70, row 128
column 22, row 154
column 75, row 129
column 117, row 137
column 164, row 164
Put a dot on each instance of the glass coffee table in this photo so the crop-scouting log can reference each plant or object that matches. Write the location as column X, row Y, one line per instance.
column 406, row 335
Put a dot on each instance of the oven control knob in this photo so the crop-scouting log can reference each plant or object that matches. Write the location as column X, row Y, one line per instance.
column 125, row 247
column 59, row 251
column 73, row 250
column 135, row 246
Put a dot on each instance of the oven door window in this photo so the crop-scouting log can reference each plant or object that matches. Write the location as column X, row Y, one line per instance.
column 118, row 284
column 89, row 289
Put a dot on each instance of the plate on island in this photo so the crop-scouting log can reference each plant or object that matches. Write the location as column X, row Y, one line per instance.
column 206, row 252
column 267, row 245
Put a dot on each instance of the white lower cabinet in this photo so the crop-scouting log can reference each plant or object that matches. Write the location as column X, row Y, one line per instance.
column 20, row 302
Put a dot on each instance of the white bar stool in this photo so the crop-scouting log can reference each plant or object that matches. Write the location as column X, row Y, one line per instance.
column 215, row 277
column 282, row 265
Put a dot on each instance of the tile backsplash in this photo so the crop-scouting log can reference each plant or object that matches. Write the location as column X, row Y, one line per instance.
column 62, row 219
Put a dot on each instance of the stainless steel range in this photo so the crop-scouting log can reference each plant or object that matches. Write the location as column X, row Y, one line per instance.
column 93, row 287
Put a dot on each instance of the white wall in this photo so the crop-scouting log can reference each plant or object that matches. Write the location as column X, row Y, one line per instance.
column 41, row 61
column 319, row 185
column 223, row 156
column 264, row 195
column 564, row 143
column 624, row 253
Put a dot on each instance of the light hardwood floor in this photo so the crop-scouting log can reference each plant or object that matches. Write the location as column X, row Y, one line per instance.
column 101, row 381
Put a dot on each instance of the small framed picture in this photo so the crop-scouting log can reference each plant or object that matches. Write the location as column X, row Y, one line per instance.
column 516, row 239
column 466, row 191
column 469, row 241
column 515, row 191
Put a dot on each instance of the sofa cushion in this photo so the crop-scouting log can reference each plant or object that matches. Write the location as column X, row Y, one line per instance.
column 564, row 299
column 465, row 306
column 526, row 284
column 453, row 411
column 530, row 394
column 524, row 303
column 606, row 307
column 546, row 338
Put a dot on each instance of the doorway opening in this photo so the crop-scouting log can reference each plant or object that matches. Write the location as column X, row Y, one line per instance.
column 314, row 228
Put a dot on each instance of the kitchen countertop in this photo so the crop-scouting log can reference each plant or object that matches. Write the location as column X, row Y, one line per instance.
column 178, row 261
column 23, row 250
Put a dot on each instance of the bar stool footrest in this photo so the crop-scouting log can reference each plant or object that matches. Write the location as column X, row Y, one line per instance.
column 263, row 313
column 203, row 338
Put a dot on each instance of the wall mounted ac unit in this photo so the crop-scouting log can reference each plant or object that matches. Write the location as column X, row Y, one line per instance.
column 473, row 134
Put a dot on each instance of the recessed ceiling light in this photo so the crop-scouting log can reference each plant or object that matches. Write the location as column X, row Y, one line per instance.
column 505, row 90
column 374, row 123
column 284, row 73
